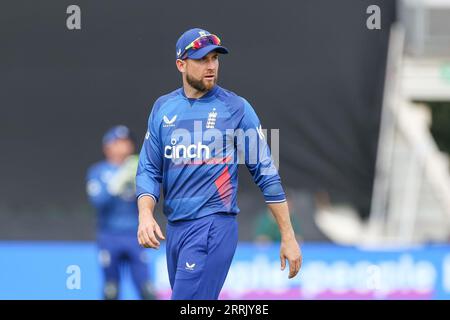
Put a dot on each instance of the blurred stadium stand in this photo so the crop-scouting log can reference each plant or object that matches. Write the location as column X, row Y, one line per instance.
column 411, row 196
column 411, row 199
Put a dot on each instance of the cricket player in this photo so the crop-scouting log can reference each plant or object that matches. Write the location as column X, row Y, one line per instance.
column 196, row 137
column 111, row 189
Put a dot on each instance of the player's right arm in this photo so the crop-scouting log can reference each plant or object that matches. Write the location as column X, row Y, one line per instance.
column 148, row 229
column 148, row 180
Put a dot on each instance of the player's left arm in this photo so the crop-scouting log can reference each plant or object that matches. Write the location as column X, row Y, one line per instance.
column 290, row 249
column 259, row 162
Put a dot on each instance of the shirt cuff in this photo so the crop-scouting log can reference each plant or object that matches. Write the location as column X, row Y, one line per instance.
column 276, row 201
column 147, row 194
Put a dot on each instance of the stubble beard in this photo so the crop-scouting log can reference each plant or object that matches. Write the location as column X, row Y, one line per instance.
column 200, row 85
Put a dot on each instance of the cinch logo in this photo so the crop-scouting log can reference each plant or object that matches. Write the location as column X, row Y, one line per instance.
column 181, row 151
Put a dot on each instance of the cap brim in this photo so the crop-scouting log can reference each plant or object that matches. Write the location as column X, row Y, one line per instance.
column 200, row 53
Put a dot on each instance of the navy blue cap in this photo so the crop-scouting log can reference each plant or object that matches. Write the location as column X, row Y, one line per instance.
column 189, row 36
column 117, row 132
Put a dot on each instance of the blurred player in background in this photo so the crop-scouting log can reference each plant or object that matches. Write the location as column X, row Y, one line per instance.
column 111, row 189
column 199, row 176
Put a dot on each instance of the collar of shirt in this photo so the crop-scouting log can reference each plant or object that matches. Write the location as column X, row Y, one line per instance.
column 207, row 96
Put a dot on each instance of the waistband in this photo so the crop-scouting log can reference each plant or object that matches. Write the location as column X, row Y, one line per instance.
column 212, row 215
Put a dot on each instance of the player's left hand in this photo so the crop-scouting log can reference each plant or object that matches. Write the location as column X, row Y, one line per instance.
column 290, row 250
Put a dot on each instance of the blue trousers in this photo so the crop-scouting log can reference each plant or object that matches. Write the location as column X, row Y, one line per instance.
column 199, row 254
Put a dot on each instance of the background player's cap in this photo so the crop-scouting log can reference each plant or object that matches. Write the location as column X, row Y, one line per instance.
column 188, row 37
column 117, row 132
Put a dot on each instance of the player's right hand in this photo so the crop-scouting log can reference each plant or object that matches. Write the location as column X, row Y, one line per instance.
column 148, row 232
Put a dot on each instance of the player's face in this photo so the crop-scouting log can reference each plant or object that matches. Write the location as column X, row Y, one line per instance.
column 202, row 74
column 118, row 150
